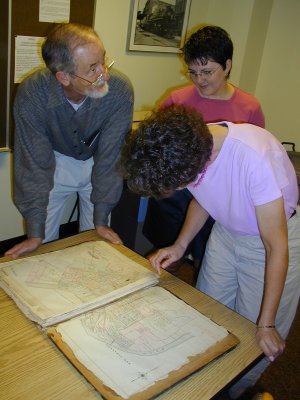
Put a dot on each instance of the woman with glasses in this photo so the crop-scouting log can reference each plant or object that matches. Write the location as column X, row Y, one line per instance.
column 208, row 58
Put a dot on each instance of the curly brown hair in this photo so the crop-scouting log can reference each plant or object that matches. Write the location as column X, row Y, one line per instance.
column 167, row 151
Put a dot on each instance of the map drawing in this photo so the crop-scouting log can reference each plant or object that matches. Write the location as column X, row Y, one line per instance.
column 134, row 342
column 57, row 282
column 82, row 275
column 138, row 325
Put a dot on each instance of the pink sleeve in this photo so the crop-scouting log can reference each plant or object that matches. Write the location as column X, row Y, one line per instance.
column 257, row 118
column 168, row 101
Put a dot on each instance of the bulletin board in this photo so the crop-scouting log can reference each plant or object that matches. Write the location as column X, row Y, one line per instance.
column 22, row 18
column 4, row 25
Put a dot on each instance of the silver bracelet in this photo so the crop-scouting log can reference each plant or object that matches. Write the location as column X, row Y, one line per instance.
column 265, row 326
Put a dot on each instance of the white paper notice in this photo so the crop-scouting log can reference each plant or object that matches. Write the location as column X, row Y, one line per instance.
column 54, row 11
column 28, row 56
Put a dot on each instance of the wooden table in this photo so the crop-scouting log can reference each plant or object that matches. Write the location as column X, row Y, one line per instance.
column 32, row 368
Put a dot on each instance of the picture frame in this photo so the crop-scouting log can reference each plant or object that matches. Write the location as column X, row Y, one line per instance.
column 158, row 26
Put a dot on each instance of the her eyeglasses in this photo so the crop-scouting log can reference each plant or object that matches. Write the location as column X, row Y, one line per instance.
column 204, row 73
column 99, row 80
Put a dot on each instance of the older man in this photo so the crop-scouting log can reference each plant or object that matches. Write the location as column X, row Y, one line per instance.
column 71, row 120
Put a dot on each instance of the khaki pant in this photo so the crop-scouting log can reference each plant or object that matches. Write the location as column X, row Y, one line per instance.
column 71, row 176
column 233, row 271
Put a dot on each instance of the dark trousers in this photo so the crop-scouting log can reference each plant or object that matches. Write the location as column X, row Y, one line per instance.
column 165, row 218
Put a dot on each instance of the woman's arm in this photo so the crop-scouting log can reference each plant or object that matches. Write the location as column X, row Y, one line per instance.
column 195, row 219
column 273, row 231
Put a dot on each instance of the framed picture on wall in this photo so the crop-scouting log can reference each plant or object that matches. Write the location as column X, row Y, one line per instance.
column 158, row 25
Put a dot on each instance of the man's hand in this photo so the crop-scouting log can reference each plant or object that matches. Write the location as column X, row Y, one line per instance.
column 106, row 233
column 24, row 247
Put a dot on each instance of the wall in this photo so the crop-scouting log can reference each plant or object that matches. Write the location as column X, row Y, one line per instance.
column 152, row 74
column 266, row 63
column 278, row 84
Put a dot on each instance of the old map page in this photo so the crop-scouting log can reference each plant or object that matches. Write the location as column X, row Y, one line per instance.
column 56, row 286
column 138, row 346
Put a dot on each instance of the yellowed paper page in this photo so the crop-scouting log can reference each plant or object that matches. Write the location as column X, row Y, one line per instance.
column 135, row 342
column 55, row 286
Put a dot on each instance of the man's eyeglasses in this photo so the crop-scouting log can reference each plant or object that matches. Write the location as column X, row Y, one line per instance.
column 99, row 80
column 204, row 73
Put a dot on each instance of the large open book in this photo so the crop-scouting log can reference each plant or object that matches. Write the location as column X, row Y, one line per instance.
column 56, row 286
column 129, row 337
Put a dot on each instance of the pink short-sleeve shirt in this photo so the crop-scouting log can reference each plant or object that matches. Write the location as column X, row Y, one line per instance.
column 241, row 107
column 251, row 169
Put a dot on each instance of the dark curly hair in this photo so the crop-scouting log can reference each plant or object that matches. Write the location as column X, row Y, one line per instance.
column 208, row 43
column 167, row 151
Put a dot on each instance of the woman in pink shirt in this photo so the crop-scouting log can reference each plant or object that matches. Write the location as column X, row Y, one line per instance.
column 240, row 175
column 208, row 57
